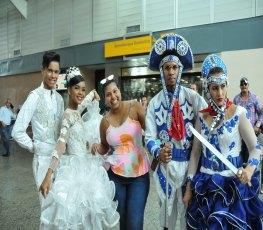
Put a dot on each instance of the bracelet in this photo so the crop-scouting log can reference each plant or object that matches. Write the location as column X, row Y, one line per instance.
column 189, row 178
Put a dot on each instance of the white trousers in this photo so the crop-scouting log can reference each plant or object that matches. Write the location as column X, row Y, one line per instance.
column 177, row 214
column 40, row 166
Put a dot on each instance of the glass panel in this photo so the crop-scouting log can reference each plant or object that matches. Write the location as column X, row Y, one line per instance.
column 134, row 88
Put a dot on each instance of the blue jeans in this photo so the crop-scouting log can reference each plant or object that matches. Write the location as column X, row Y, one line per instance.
column 131, row 194
column 6, row 134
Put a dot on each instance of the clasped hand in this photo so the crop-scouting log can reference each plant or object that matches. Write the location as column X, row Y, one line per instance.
column 95, row 148
column 245, row 174
column 96, row 95
column 165, row 154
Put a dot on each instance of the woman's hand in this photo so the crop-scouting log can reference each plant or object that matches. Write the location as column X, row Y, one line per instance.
column 96, row 95
column 95, row 149
column 45, row 186
column 187, row 196
column 245, row 174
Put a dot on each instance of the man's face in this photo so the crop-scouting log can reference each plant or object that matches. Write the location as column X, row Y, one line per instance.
column 50, row 75
column 244, row 86
column 8, row 103
column 170, row 70
column 144, row 101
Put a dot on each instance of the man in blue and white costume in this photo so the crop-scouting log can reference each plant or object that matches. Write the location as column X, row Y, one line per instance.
column 219, row 198
column 168, row 113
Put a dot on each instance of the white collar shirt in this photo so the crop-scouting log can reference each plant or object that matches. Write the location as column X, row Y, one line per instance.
column 26, row 115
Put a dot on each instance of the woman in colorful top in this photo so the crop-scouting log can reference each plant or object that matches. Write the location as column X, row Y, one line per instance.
column 220, row 199
column 82, row 195
column 121, row 135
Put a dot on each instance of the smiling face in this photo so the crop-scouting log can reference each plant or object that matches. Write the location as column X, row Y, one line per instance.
column 170, row 70
column 112, row 96
column 77, row 92
column 50, row 75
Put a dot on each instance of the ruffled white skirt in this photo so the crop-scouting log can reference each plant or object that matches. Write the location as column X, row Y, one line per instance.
column 81, row 196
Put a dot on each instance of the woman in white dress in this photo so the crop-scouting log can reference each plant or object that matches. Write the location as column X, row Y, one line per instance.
column 81, row 196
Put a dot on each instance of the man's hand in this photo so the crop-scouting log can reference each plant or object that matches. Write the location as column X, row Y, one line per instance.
column 165, row 154
column 3, row 124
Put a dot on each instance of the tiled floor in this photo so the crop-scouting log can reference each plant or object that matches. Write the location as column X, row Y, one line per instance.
column 19, row 206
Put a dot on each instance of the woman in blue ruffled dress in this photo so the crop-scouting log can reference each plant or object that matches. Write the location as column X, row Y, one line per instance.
column 218, row 198
column 81, row 196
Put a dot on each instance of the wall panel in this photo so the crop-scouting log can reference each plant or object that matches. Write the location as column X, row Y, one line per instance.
column 159, row 15
column 129, row 13
column 13, row 30
column 81, row 22
column 259, row 7
column 3, row 29
column 62, row 23
column 29, row 29
column 104, row 19
column 226, row 10
column 45, row 23
column 192, row 12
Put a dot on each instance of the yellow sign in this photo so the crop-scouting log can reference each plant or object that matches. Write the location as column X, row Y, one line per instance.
column 168, row 33
column 129, row 46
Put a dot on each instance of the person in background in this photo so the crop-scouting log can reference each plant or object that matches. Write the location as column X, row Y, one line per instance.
column 13, row 119
column 219, row 198
column 121, row 137
column 254, row 108
column 260, row 141
column 6, row 117
column 144, row 102
column 44, row 109
column 194, row 87
column 81, row 196
column 168, row 113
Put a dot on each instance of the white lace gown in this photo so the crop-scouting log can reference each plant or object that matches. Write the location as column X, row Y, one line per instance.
column 82, row 195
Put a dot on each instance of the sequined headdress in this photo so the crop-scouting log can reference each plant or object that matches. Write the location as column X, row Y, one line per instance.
column 175, row 48
column 72, row 72
column 209, row 63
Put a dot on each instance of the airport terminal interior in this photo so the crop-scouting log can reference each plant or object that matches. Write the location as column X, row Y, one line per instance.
column 116, row 37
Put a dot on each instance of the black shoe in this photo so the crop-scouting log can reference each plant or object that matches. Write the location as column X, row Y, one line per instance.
column 6, row 155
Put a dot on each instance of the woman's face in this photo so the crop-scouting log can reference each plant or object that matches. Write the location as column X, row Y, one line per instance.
column 77, row 92
column 112, row 96
column 218, row 93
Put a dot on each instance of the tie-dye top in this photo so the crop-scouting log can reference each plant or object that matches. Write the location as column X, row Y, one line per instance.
column 129, row 158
